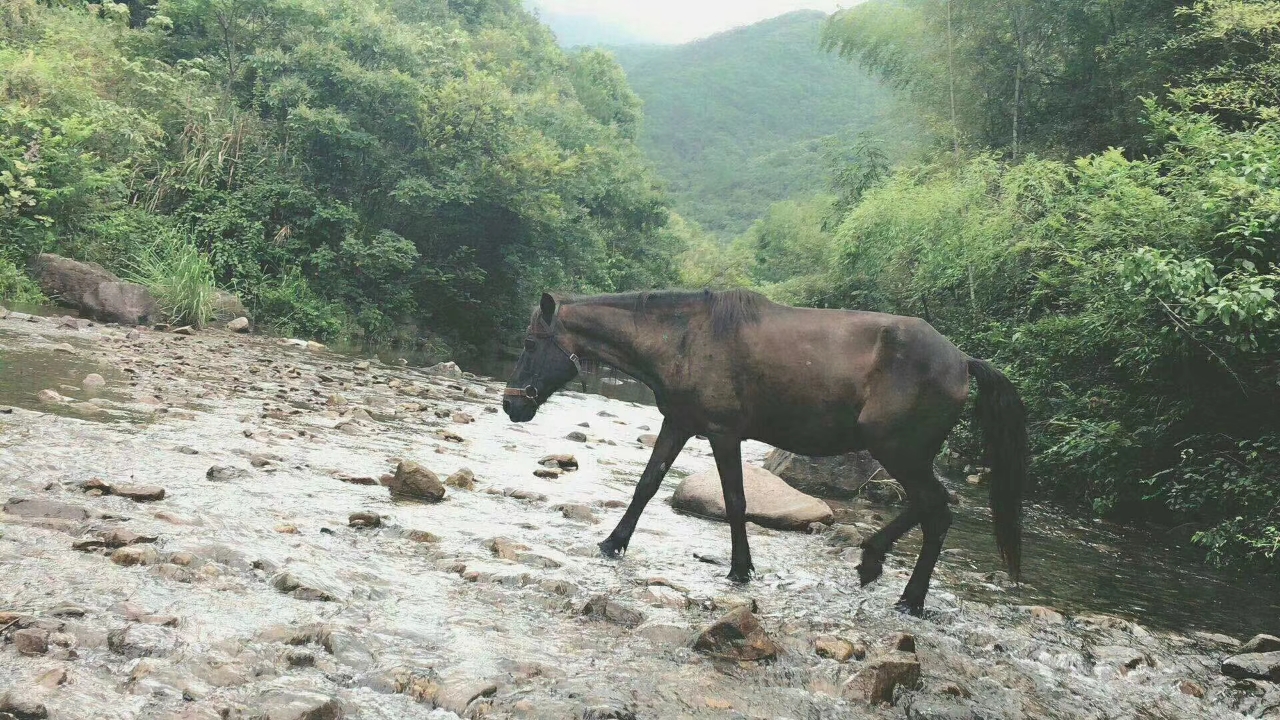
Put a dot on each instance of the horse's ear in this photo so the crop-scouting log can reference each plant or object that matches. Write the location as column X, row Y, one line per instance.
column 548, row 307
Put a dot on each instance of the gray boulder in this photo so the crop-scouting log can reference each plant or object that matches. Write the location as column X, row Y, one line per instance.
column 121, row 302
column 93, row 290
column 227, row 307
column 1260, row 666
column 770, row 501
column 839, row 476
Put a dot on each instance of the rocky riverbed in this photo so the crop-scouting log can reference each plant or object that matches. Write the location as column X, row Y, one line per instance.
column 196, row 526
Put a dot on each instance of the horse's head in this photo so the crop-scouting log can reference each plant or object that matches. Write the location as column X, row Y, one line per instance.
column 544, row 367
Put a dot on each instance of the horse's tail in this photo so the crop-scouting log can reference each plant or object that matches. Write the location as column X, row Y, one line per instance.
column 1002, row 417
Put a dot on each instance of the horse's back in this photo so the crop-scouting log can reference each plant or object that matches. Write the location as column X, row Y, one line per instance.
column 807, row 379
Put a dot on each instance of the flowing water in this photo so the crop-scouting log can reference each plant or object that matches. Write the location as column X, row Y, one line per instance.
column 273, row 594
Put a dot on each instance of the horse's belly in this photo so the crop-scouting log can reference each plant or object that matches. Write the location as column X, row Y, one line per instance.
column 814, row 433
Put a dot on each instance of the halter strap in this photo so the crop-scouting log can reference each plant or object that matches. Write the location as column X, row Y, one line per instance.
column 531, row 392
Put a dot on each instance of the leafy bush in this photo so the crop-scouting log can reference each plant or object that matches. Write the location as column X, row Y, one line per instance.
column 16, row 287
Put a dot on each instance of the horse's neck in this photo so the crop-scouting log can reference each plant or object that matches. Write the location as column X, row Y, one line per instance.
column 621, row 339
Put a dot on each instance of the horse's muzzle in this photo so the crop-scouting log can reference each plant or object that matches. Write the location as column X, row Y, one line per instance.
column 520, row 408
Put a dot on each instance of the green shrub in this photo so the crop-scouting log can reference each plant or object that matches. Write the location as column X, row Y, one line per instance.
column 16, row 287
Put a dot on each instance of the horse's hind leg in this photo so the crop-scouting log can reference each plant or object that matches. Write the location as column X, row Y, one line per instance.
column 929, row 503
column 878, row 545
column 670, row 442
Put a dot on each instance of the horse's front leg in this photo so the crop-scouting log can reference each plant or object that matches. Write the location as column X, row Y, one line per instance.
column 670, row 442
column 728, row 453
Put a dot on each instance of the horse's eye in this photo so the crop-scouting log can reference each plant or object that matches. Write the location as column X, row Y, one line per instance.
column 530, row 345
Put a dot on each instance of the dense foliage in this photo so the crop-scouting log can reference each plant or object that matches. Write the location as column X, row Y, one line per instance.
column 736, row 122
column 1132, row 296
column 386, row 167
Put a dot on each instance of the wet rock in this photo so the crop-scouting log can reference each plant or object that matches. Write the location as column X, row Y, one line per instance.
column 223, row 473
column 138, row 641
column 1260, row 644
column 414, row 481
column 239, row 325
column 602, row 607
column 663, row 596
column 135, row 555
column 17, row 707
column 463, row 479
column 462, row 418
column 49, row 397
column 770, row 502
column 518, row 552
column 184, row 330
column 564, row 462
column 120, row 537
column 1046, row 615
column 576, row 436
column 836, row 648
column 422, row 536
column 303, row 588
column 1120, row 657
column 348, row 650
column 904, row 642
column 648, row 440
column 548, row 473
column 456, row 696
column 1192, row 688
column 23, row 507
column 522, row 494
column 449, row 436
column 875, row 683
column 445, row 369
column 73, row 611
column 52, row 678
column 185, row 450
column 297, row 705
column 32, row 641
column 93, row 381
column 1260, row 666
column 300, row 658
column 581, row 513
column 737, row 635
column 364, row 519
column 139, row 493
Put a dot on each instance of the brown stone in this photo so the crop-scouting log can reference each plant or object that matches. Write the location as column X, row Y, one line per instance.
column 364, row 519
column 736, row 636
column 834, row 648
column 605, row 608
column 32, row 641
column 135, row 555
column 414, row 481
column 463, row 479
column 139, row 493
column 565, row 462
column 770, row 501
column 1192, row 688
column 876, row 682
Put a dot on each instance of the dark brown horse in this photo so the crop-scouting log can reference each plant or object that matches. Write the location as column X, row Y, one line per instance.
column 734, row 366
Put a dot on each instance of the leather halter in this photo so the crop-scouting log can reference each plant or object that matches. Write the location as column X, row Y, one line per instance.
column 531, row 392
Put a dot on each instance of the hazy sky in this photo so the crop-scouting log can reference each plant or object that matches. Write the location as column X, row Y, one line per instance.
column 682, row 20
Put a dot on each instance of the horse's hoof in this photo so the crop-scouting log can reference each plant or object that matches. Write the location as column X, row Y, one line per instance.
column 612, row 550
column 867, row 574
column 741, row 577
column 909, row 608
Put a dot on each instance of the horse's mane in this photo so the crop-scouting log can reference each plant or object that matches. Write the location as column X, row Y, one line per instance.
column 730, row 309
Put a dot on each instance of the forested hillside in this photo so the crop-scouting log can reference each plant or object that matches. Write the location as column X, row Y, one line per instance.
column 736, row 122
column 1100, row 216
column 390, row 168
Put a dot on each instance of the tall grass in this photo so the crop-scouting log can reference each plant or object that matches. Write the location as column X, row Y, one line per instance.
column 179, row 276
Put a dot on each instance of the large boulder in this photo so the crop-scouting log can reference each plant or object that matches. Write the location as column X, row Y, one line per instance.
column 839, row 476
column 121, row 302
column 92, row 289
column 770, row 501
column 227, row 307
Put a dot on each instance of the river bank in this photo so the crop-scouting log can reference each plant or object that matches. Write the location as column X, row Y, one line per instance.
column 256, row 587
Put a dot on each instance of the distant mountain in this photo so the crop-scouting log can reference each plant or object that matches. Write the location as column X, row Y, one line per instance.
column 578, row 30
column 735, row 121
